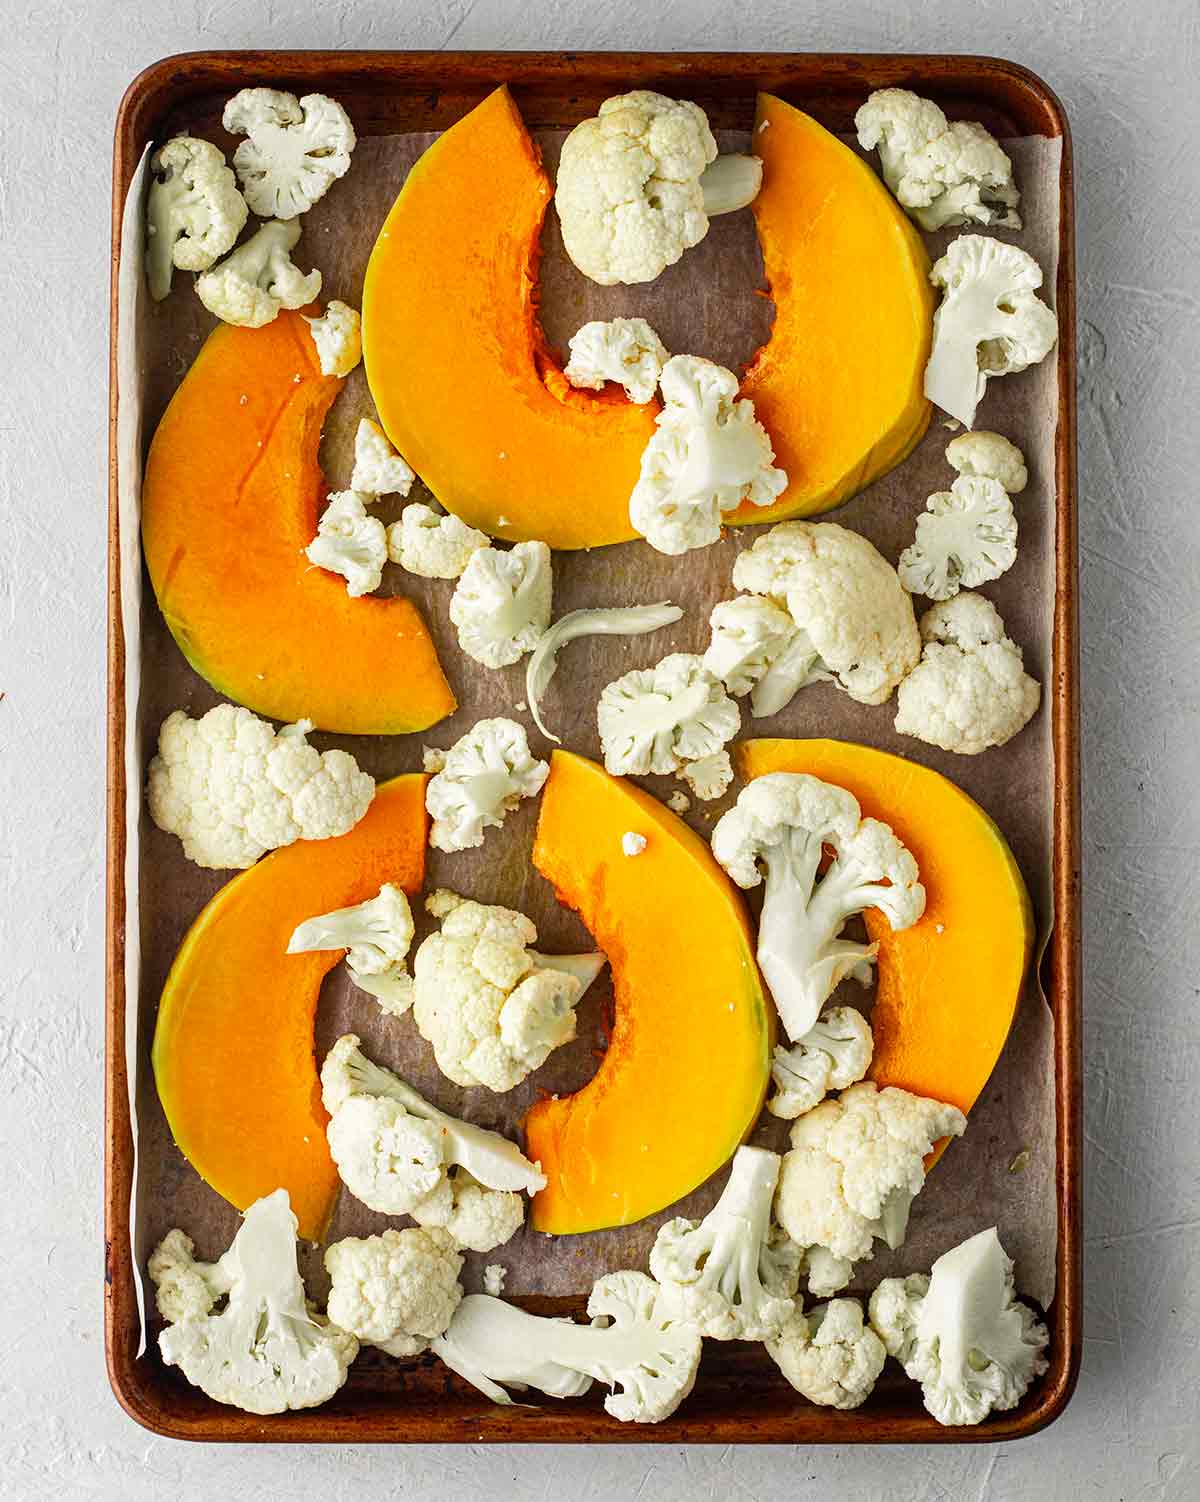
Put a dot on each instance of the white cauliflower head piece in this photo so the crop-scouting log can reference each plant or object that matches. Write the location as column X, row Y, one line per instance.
column 970, row 691
column 501, row 604
column 897, row 123
column 294, row 151
column 486, row 774
column 396, row 1290
column 258, row 279
column 232, row 789
column 337, row 334
column 377, row 935
column 378, row 468
column 757, row 649
column 990, row 456
column 625, row 351
column 709, row 777
column 657, row 719
column 350, row 542
column 194, row 211
column 828, row 1355
column 967, row 535
column 834, row 1054
column 433, row 546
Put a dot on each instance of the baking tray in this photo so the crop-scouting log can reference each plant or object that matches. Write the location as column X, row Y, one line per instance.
column 740, row 1397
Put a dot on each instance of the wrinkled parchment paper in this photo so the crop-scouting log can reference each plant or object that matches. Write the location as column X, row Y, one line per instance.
column 706, row 305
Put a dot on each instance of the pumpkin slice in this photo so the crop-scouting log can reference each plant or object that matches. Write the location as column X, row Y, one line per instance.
column 233, row 1047
column 839, row 385
column 462, row 378
column 948, row 987
column 686, row 1069
column 231, row 496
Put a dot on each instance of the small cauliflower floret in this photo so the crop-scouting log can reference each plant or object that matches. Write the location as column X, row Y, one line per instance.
column 491, row 1006
column 638, row 182
column 350, row 542
column 255, row 281
column 624, row 350
column 337, row 333
column 494, row 1275
column 232, row 789
column 709, row 454
column 967, row 535
column 501, row 604
column 990, row 456
column 397, row 1290
column 658, row 719
column 828, row 1355
column 679, row 802
column 989, row 322
column 194, row 211
column 377, row 933
column 970, row 690
column 757, row 649
column 783, row 822
column 710, row 777
column 636, row 1345
column 728, row 1274
column 897, row 123
column 264, row 1350
column 402, row 1156
column 962, row 1333
column 845, row 599
column 432, row 546
column 378, row 468
column 834, row 1054
column 855, row 1167
column 295, row 149
column 485, row 775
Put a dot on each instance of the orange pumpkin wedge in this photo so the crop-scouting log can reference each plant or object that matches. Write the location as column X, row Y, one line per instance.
column 233, row 1046
column 683, row 1079
column 231, row 496
column 948, row 987
column 459, row 369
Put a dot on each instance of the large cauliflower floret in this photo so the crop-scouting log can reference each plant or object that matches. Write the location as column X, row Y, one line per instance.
column 194, row 211
column 337, row 334
column 783, row 822
column 757, row 649
column 708, row 455
column 377, row 935
column 990, row 456
column 834, row 1054
column 962, row 1333
column 485, row 775
column 397, row 1290
column 624, row 350
column 232, row 789
column 350, row 542
column 250, row 286
column 970, row 690
column 828, row 1355
column 431, row 545
column 658, row 719
column 295, row 148
column 846, row 598
column 378, row 468
column 263, row 1351
column 492, row 1008
column 967, row 535
column 855, row 1167
column 501, row 604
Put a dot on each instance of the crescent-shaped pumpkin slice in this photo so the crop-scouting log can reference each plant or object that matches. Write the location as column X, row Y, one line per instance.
column 686, row 1069
column 233, row 1046
column 230, row 500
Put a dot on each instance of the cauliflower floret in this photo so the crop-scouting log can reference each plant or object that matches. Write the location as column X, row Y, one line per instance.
column 337, row 333
column 194, row 211
column 350, row 542
column 757, row 649
column 657, row 719
column 377, row 933
column 709, row 453
column 485, row 775
column 679, row 802
column 183, row 1287
column 710, row 777
column 989, row 322
column 846, row 599
column 970, row 690
column 494, row 1275
column 990, row 456
column 828, row 1355
column 472, row 1215
column 255, row 281
column 295, row 148
column 962, row 1333
column 433, row 546
column 232, row 789
column 501, row 604
column 397, row 1290
column 624, row 350
column 378, row 468
column 834, row 1054
column 898, row 123
column 967, row 535
column 492, row 1008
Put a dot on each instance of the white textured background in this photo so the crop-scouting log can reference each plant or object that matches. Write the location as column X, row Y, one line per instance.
column 1128, row 74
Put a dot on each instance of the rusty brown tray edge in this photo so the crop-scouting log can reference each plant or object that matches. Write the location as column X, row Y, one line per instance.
column 834, row 76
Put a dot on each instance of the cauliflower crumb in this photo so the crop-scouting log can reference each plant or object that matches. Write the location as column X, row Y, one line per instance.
column 632, row 843
column 494, row 1275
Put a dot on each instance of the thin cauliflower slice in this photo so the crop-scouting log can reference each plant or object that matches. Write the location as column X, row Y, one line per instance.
column 337, row 334
column 709, row 777
column 377, row 935
column 834, row 1054
column 295, row 149
column 194, row 211
column 828, row 1355
column 626, row 351
column 966, row 536
column 970, row 690
column 378, row 468
column 256, row 281
column 397, row 1290
column 350, row 542
column 485, row 775
column 231, row 789
column 991, row 456
column 658, row 719
column 501, row 604
column 756, row 648
column 433, row 546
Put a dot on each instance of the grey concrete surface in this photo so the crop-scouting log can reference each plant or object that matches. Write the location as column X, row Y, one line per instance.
column 1128, row 75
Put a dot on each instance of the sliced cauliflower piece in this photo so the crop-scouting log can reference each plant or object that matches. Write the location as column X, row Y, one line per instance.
column 710, row 777
column 433, row 546
column 250, row 286
column 486, row 774
column 472, row 1215
column 232, row 789
column 967, row 535
column 378, row 468
column 990, row 456
column 624, row 350
column 377, row 933
column 834, row 1054
column 970, row 691
column 337, row 333
column 194, row 211
column 657, row 719
column 709, row 453
column 501, row 604
column 828, row 1355
column 350, row 542
column 397, row 1290
column 295, row 149
column 757, row 649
